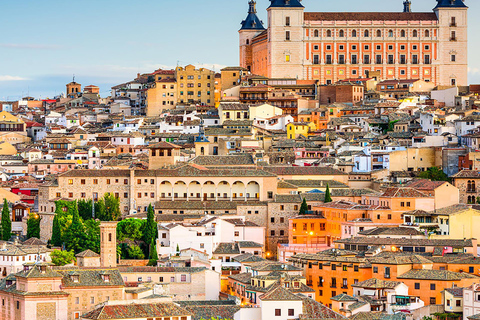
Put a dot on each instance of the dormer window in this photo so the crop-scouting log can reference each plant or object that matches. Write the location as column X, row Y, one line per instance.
column 43, row 269
column 296, row 284
column 75, row 278
column 106, row 277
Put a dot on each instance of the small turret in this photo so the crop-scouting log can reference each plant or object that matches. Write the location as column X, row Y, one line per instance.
column 252, row 22
column 407, row 6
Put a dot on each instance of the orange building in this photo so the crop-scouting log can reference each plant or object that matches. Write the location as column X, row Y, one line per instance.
column 319, row 116
column 334, row 271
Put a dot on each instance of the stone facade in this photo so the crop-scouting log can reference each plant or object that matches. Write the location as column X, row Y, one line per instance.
column 328, row 46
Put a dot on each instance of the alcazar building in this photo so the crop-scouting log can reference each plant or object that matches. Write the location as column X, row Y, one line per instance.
column 331, row 46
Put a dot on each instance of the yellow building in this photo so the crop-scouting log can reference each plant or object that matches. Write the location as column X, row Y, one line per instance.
column 12, row 129
column 162, row 95
column 195, row 86
column 295, row 129
column 457, row 222
column 233, row 112
column 413, row 159
column 6, row 149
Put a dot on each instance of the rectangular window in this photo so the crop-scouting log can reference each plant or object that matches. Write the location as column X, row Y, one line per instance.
column 432, row 286
column 278, row 312
column 453, row 58
column 291, row 312
column 287, row 35
column 417, row 286
column 287, row 21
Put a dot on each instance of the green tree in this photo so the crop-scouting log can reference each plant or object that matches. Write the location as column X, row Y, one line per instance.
column 92, row 235
column 33, row 226
column 303, row 207
column 135, row 252
column 100, row 210
column 150, row 231
column 434, row 174
column 153, row 254
column 130, row 228
column 112, row 207
column 56, row 232
column 328, row 196
column 75, row 234
column 178, row 250
column 61, row 258
column 85, row 209
column 6, row 222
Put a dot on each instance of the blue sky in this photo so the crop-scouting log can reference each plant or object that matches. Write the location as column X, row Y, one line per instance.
column 105, row 42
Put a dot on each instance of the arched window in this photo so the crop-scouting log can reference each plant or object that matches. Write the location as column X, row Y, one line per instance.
column 379, row 33
column 329, row 33
column 427, row 33
column 366, row 33
column 248, row 41
column 390, row 33
column 402, row 33
column 354, row 33
column 315, row 33
column 415, row 33
column 473, row 186
column 341, row 34
column 202, row 151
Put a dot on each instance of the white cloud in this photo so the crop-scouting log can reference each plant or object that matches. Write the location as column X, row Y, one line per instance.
column 12, row 78
column 30, row 46
column 473, row 71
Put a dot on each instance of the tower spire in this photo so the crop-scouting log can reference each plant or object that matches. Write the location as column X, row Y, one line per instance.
column 407, row 6
column 252, row 6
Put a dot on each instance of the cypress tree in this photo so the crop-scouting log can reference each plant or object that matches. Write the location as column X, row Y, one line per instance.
column 6, row 222
column 328, row 197
column 303, row 207
column 56, row 233
column 75, row 233
column 153, row 254
column 150, row 232
column 33, row 226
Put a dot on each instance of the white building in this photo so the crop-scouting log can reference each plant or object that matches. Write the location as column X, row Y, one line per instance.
column 207, row 235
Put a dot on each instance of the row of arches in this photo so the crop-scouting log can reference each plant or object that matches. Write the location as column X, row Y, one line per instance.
column 379, row 33
column 209, row 190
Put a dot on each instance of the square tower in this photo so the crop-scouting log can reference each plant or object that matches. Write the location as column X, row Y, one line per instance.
column 108, row 244
column 286, row 39
column 452, row 42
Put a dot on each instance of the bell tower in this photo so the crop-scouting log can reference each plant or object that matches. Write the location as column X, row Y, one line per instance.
column 108, row 244
column 251, row 27
column 407, row 6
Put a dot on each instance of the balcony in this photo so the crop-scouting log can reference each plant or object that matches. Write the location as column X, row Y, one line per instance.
column 333, row 285
column 319, row 283
column 453, row 38
column 453, row 24
column 345, row 286
column 310, row 283
column 471, row 191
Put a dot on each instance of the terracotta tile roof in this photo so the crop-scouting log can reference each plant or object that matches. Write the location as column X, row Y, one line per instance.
column 392, row 231
column 377, row 315
column 90, row 277
column 137, row 311
column 440, row 275
column 313, row 310
column 87, row 254
column 403, row 193
column 213, row 311
column 230, row 160
column 161, row 269
column 164, row 145
column 425, row 184
column 306, row 171
column 377, row 284
column 456, row 292
column 227, row 248
column 279, row 293
column 408, row 242
column 467, row 174
column 343, row 297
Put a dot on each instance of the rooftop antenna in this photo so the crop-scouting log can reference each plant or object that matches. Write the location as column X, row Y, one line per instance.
column 73, row 78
